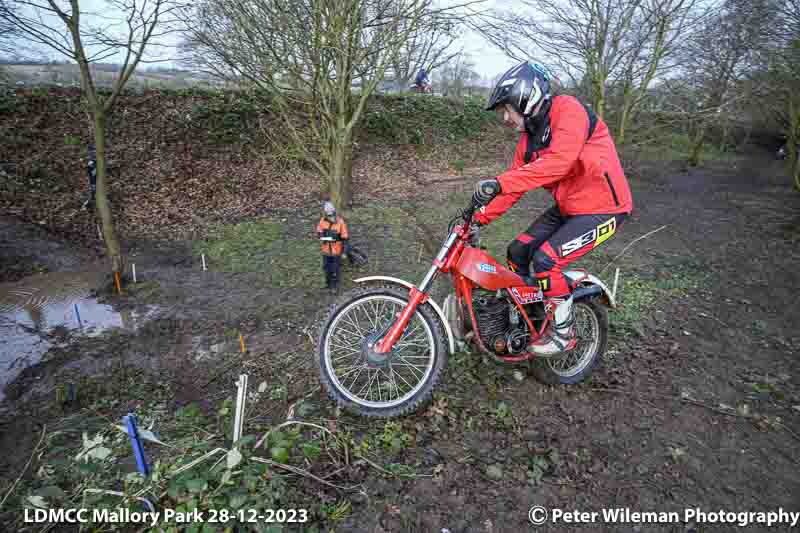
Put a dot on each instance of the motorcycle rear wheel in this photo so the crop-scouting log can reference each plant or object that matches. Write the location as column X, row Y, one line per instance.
column 576, row 365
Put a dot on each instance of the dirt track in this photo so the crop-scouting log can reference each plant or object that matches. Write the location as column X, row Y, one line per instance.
column 701, row 409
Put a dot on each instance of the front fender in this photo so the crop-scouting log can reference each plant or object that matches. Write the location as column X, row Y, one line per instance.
column 397, row 281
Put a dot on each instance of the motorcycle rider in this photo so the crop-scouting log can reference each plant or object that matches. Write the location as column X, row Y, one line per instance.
column 422, row 82
column 565, row 148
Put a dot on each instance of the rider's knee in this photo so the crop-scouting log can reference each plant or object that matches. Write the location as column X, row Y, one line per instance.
column 542, row 262
column 517, row 251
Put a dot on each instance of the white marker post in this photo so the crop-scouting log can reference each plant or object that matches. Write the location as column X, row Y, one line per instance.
column 614, row 290
column 241, row 397
column 204, row 261
column 133, row 268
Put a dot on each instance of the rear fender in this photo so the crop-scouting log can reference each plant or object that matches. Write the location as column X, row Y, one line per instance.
column 587, row 282
column 397, row 281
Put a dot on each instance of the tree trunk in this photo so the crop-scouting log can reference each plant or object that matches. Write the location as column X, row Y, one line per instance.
column 697, row 146
column 598, row 94
column 101, row 195
column 724, row 140
column 340, row 173
column 623, row 121
column 793, row 140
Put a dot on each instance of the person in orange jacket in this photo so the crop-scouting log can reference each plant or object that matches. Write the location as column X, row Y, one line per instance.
column 567, row 149
column 333, row 233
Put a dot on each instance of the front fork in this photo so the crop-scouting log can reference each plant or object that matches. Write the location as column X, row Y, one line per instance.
column 418, row 296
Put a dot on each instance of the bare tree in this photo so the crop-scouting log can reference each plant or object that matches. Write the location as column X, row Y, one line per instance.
column 63, row 27
column 317, row 60
column 458, row 74
column 717, row 59
column 584, row 40
column 8, row 32
column 432, row 45
column 778, row 79
column 650, row 48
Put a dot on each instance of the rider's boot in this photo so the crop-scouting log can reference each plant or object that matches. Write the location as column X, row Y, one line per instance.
column 559, row 337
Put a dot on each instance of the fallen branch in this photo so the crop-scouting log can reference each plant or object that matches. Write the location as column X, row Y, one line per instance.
column 631, row 244
column 304, row 473
column 288, row 423
column 35, row 449
column 379, row 468
column 225, row 368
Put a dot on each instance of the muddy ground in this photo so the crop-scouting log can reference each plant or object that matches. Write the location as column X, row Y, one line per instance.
column 697, row 403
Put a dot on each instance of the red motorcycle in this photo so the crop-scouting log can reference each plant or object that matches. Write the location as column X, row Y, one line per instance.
column 384, row 345
column 422, row 89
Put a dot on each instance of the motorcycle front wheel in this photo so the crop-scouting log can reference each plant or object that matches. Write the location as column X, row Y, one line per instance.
column 371, row 384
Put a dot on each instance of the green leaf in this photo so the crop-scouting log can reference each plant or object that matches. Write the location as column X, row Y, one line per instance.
column 238, row 499
column 174, row 491
column 280, row 455
column 234, row 458
column 37, row 501
column 311, row 450
column 196, row 485
column 247, row 439
column 52, row 493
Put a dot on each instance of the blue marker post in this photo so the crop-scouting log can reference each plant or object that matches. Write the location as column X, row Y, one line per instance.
column 136, row 443
column 78, row 315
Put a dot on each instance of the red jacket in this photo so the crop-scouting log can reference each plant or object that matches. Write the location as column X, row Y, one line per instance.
column 584, row 177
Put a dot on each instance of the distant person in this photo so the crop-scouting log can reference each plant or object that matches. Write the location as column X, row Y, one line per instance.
column 91, row 172
column 422, row 82
column 333, row 233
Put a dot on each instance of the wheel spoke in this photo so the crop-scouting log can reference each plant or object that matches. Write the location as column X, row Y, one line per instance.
column 356, row 376
column 398, row 374
column 415, row 367
column 352, row 368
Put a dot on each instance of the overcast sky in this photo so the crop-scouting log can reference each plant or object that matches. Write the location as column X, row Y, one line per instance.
column 489, row 61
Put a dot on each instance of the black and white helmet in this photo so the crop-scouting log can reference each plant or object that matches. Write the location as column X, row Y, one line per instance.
column 522, row 87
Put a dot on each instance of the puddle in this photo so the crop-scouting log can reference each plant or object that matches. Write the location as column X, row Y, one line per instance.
column 31, row 308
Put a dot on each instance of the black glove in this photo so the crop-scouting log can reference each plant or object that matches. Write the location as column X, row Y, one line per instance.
column 330, row 234
column 485, row 190
column 474, row 236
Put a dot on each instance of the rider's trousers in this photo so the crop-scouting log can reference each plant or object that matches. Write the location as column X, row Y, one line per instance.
column 554, row 241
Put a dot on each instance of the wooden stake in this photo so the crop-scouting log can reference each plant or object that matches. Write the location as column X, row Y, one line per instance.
column 241, row 342
column 119, row 284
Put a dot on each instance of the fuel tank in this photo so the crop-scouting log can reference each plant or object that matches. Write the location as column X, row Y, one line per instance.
column 481, row 268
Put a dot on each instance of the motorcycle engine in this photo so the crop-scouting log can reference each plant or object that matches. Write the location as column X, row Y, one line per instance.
column 501, row 328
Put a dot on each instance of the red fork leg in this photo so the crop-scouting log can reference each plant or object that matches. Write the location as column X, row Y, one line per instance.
column 394, row 333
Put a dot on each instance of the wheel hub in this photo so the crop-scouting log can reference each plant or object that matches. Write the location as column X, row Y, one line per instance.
column 371, row 357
